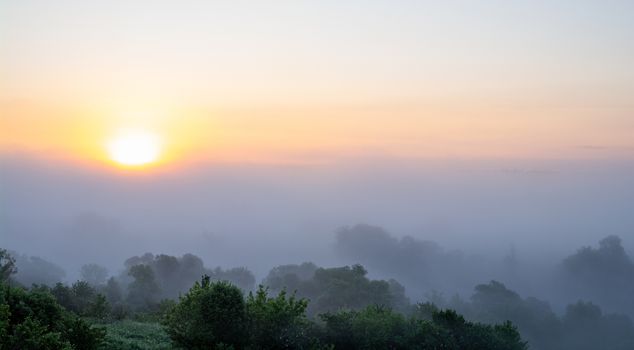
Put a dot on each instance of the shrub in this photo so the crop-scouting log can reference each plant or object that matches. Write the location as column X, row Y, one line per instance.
column 209, row 315
column 34, row 320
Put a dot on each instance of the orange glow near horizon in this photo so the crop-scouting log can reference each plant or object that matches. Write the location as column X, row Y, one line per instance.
column 167, row 136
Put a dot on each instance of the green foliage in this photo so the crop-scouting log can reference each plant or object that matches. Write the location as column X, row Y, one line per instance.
column 81, row 334
column 494, row 303
column 133, row 335
column 82, row 299
column 99, row 307
column 277, row 323
column 4, row 319
column 337, row 288
column 381, row 328
column 34, row 320
column 83, row 294
column 210, row 314
column 32, row 334
column 175, row 275
column 374, row 327
column 347, row 287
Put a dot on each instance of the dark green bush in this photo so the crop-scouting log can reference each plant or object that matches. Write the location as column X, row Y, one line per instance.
column 34, row 320
column 209, row 315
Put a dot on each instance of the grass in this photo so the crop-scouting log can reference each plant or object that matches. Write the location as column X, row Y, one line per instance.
column 135, row 335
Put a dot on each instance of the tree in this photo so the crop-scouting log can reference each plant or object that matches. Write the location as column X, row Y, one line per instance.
column 167, row 269
column 348, row 287
column 374, row 327
column 276, row 323
column 143, row 292
column 378, row 327
column 241, row 277
column 35, row 270
column 7, row 265
column 210, row 315
column 33, row 320
column 587, row 327
column 604, row 275
column 112, row 291
column 94, row 274
column 495, row 303
column 289, row 277
column 83, row 294
column 80, row 298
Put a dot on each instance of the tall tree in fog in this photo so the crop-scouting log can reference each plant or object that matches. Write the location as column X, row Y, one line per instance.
column 7, row 265
column 143, row 292
column 94, row 274
column 35, row 270
column 604, row 275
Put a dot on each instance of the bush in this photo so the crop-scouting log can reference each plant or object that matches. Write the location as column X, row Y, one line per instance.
column 277, row 323
column 208, row 316
column 34, row 320
column 381, row 328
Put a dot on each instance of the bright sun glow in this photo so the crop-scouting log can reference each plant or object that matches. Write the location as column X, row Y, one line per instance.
column 134, row 148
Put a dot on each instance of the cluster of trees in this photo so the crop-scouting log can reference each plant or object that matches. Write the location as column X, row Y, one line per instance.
column 419, row 264
column 331, row 289
column 35, row 270
column 175, row 275
column 604, row 274
column 582, row 326
column 32, row 319
column 149, row 278
column 217, row 315
column 145, row 282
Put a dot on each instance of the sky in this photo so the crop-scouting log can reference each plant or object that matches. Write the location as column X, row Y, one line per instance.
column 301, row 81
column 475, row 124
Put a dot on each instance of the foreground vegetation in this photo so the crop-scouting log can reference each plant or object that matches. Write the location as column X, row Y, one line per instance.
column 135, row 335
column 217, row 315
column 153, row 305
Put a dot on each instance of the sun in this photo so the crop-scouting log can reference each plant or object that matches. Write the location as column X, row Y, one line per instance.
column 134, row 148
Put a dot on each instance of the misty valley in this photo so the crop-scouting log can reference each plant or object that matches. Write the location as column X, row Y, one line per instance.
column 316, row 175
column 395, row 293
